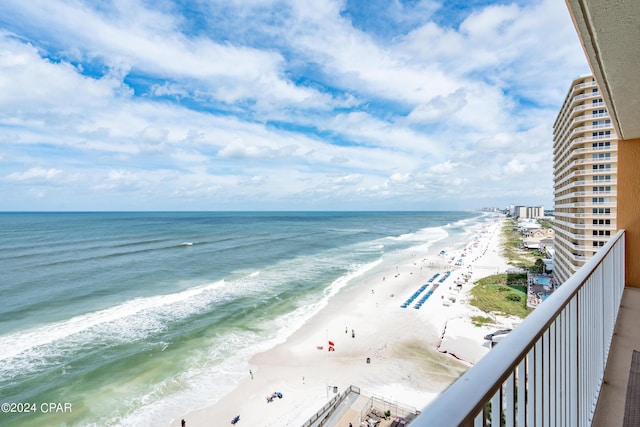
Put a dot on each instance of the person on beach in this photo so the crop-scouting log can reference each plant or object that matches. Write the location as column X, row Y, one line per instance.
column 183, row 423
column 251, row 373
column 353, row 333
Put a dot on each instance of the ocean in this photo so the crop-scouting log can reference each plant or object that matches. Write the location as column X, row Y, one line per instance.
column 134, row 319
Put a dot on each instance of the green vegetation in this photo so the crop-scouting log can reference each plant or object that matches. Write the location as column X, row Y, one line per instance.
column 510, row 279
column 545, row 223
column 512, row 251
column 478, row 321
column 504, row 294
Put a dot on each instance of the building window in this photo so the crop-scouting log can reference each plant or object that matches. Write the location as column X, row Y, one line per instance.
column 601, row 178
column 596, row 145
column 601, row 167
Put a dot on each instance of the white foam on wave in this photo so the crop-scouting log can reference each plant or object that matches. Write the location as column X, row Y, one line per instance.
column 431, row 234
column 215, row 374
column 465, row 222
column 204, row 384
column 123, row 321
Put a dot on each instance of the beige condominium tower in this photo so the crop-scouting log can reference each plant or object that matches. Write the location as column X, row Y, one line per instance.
column 584, row 165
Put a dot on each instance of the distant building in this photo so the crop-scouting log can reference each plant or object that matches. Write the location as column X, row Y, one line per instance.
column 526, row 212
column 584, row 163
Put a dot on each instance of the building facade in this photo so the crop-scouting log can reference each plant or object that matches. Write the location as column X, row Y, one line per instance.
column 585, row 177
column 526, row 212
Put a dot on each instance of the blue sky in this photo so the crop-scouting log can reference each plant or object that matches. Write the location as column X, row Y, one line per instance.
column 285, row 105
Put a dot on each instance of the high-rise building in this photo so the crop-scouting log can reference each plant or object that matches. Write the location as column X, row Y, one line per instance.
column 584, row 162
column 527, row 212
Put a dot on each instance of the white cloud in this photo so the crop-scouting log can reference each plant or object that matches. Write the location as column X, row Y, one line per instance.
column 36, row 174
column 514, row 167
column 443, row 168
column 136, row 103
column 400, row 178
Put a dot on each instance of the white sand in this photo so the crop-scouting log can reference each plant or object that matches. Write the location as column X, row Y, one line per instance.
column 405, row 346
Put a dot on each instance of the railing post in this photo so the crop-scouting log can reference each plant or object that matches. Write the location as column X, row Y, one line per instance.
column 573, row 363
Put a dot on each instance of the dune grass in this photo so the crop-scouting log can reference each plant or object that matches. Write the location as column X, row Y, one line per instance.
column 504, row 294
column 511, row 250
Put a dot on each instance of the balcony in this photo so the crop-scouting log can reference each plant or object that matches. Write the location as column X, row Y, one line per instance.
column 567, row 114
column 550, row 370
column 564, row 150
column 582, row 183
column 569, row 132
column 561, row 157
column 582, row 194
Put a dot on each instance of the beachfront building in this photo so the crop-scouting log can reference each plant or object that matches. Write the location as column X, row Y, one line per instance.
column 585, row 155
column 573, row 361
column 526, row 212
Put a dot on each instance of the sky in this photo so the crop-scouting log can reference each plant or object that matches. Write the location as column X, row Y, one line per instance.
column 133, row 105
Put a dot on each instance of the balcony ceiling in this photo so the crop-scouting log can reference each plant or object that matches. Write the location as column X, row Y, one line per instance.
column 610, row 34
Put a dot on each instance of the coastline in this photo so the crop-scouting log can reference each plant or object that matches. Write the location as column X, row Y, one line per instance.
column 411, row 358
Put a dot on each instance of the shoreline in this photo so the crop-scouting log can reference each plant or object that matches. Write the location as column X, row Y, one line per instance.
column 399, row 354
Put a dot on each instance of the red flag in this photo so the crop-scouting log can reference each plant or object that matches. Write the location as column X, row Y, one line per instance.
column 331, row 343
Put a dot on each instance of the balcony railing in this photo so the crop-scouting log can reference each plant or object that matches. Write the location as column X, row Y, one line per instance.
column 549, row 370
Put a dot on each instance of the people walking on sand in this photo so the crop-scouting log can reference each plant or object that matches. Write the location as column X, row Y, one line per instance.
column 251, row 373
column 353, row 333
column 183, row 423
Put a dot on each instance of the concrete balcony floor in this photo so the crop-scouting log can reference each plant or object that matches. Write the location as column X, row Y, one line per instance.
column 611, row 403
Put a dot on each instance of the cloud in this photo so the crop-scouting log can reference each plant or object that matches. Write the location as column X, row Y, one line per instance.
column 514, row 167
column 400, row 178
column 36, row 174
column 281, row 105
column 237, row 150
column 440, row 108
column 443, row 168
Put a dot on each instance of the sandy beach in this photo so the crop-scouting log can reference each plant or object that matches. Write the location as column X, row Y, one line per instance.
column 414, row 354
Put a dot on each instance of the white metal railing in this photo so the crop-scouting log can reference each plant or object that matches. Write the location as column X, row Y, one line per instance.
column 549, row 370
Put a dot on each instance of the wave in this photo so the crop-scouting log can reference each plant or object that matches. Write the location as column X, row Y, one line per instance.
column 51, row 249
column 129, row 321
column 429, row 234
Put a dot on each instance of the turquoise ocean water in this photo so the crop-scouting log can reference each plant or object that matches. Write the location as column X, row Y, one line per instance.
column 136, row 318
